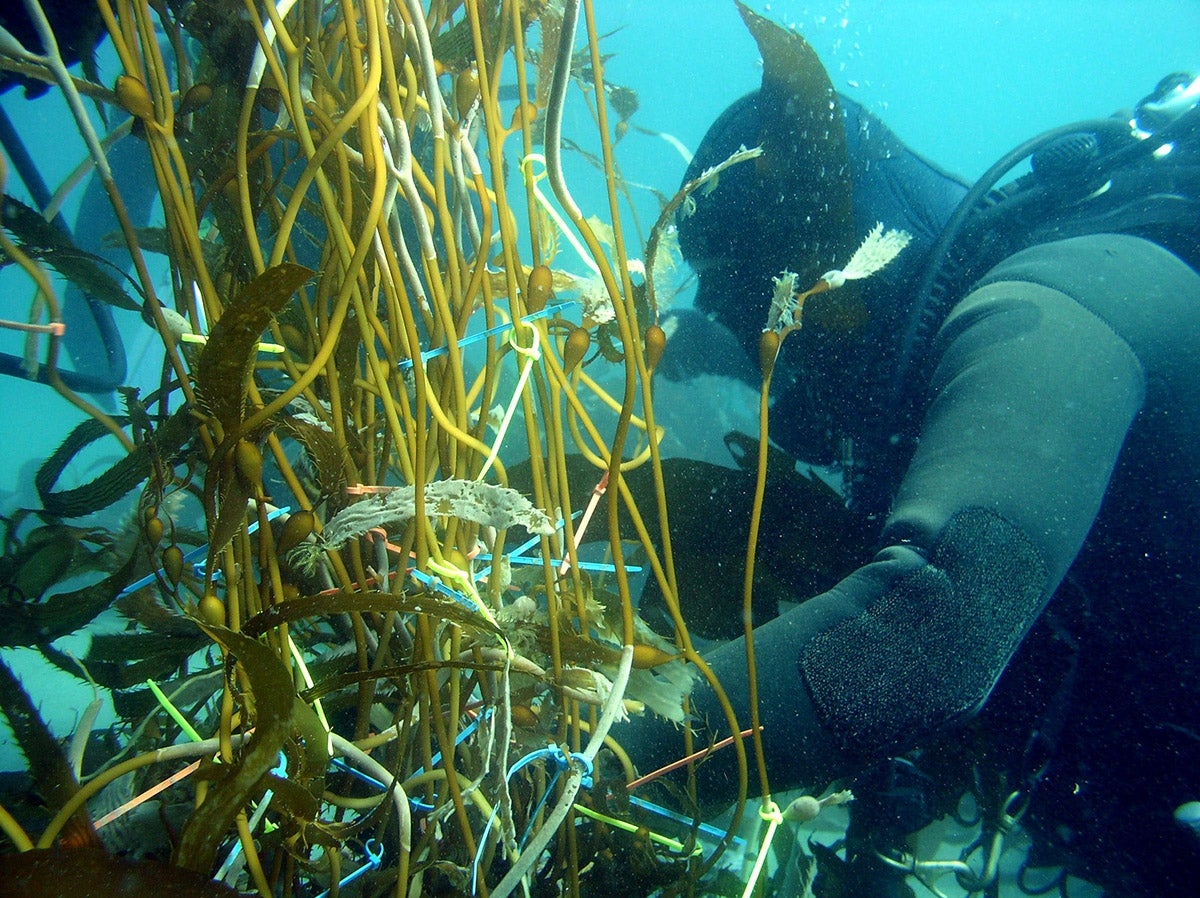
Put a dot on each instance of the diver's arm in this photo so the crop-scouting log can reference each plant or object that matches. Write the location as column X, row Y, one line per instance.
column 1032, row 397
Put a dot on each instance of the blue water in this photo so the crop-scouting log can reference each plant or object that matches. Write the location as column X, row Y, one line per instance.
column 961, row 82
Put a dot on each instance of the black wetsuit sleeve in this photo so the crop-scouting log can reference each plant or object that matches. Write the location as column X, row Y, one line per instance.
column 1040, row 373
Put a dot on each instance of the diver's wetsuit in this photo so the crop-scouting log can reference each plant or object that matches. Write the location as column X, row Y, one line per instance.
column 1048, row 516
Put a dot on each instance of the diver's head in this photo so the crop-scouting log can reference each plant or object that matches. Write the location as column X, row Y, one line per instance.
column 735, row 235
column 789, row 208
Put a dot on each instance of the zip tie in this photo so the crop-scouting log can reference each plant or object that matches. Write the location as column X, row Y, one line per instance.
column 694, row 756
column 773, row 816
column 188, row 729
column 374, row 853
column 532, row 354
column 562, row 762
column 147, row 795
column 598, row 492
column 532, row 179
column 261, row 347
column 674, row 844
column 428, row 354
column 189, row 557
column 232, row 866
column 600, row 566
column 708, row 829
column 54, row 328
column 308, row 682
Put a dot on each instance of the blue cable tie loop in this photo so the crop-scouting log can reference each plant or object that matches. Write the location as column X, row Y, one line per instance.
column 190, row 557
column 374, row 853
column 562, row 761
column 406, row 364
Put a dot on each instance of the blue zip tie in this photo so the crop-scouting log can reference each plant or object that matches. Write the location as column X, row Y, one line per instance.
column 191, row 556
column 354, row 771
column 428, row 354
column 437, row 585
column 374, row 853
column 711, row 831
column 416, row 803
column 561, row 761
column 583, row 565
column 280, row 770
column 516, row 556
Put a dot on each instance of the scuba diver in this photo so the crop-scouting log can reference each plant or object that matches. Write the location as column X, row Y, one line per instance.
column 1014, row 407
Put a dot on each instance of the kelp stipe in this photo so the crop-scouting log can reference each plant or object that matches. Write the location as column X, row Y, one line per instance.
column 366, row 327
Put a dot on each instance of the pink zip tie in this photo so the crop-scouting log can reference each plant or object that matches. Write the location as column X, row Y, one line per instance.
column 54, row 328
column 597, row 491
column 148, row 794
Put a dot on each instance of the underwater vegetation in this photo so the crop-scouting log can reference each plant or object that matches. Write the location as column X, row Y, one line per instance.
column 372, row 538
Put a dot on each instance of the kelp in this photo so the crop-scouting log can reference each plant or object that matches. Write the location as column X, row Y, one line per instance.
column 809, row 539
column 165, row 446
column 54, row 872
column 425, row 409
column 48, row 243
column 427, row 603
column 48, row 766
column 467, row 500
column 222, row 382
column 126, row 660
column 277, row 713
column 38, row 620
column 223, row 369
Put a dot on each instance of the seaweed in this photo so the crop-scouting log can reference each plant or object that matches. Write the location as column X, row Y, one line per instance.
column 223, row 369
column 165, row 446
column 48, row 766
column 275, row 716
column 37, row 620
column 373, row 517
column 47, row 242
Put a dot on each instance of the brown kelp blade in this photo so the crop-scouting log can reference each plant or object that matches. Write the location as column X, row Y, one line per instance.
column 274, row 710
column 223, row 370
column 52, row 873
column 36, row 622
column 46, row 242
column 48, row 766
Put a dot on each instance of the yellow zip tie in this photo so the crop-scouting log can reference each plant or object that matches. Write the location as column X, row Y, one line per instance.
column 261, row 347
column 628, row 827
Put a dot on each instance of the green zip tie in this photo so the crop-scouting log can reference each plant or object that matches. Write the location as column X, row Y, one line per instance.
column 673, row 844
column 188, row 729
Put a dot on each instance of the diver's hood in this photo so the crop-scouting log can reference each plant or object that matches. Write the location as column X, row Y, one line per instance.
column 791, row 207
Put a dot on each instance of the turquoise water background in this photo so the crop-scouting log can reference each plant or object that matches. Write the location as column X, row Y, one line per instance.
column 961, row 82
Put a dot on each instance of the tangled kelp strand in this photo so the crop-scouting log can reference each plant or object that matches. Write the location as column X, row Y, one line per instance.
column 468, row 500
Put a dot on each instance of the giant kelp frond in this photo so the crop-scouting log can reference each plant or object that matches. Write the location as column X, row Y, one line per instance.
column 365, row 323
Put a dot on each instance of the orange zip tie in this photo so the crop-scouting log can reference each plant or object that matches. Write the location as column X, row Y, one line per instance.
column 363, row 489
column 148, row 794
column 597, row 491
column 694, row 756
